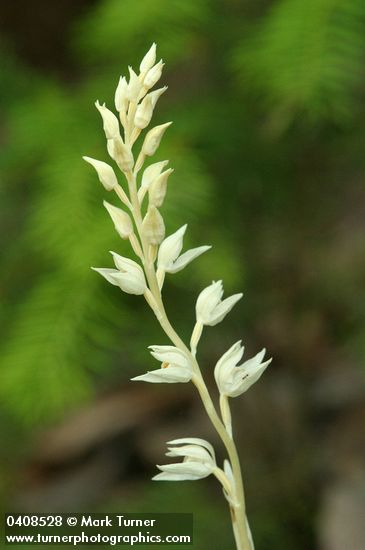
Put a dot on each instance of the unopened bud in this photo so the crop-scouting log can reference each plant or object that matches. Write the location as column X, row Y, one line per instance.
column 120, row 153
column 110, row 121
column 153, row 75
column 144, row 113
column 148, row 60
column 121, row 220
column 153, row 226
column 105, row 173
column 153, row 138
column 120, row 97
column 152, row 172
column 158, row 188
column 134, row 86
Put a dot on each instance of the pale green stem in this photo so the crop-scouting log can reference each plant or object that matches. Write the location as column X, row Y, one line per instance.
column 238, row 513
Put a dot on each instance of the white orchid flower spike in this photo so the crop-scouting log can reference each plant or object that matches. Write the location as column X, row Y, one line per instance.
column 233, row 379
column 198, row 460
column 176, row 367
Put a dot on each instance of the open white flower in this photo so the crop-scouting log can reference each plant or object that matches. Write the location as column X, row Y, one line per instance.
column 176, row 367
column 210, row 309
column 169, row 258
column 128, row 276
column 233, row 379
column 198, row 460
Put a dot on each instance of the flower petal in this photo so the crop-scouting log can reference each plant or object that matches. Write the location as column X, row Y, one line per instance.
column 223, row 371
column 223, row 308
column 193, row 441
column 186, row 258
column 184, row 471
column 170, row 354
column 208, row 300
column 108, row 274
column 169, row 375
column 170, row 248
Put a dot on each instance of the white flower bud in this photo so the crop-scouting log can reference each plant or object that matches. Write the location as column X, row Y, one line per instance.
column 134, row 86
column 120, row 153
column 105, row 173
column 144, row 113
column 158, row 188
column 153, row 138
column 120, row 98
column 153, row 226
column 121, row 220
column 198, row 460
column 110, row 121
column 156, row 95
column 210, row 309
column 152, row 172
column 149, row 59
column 153, row 75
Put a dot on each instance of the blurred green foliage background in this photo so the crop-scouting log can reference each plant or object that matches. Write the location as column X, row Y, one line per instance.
column 268, row 143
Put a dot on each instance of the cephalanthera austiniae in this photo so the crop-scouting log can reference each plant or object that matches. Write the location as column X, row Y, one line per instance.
column 158, row 255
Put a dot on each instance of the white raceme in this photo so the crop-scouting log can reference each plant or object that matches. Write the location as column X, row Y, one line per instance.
column 169, row 259
column 176, row 367
column 143, row 225
column 210, row 309
column 198, row 460
column 128, row 276
column 233, row 379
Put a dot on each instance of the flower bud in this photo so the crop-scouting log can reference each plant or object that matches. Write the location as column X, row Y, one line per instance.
column 120, row 153
column 149, row 59
column 153, row 139
column 105, row 173
column 110, row 121
column 144, row 113
column 153, row 226
column 120, row 97
column 158, row 188
column 121, row 220
column 153, row 75
column 134, row 86
column 152, row 172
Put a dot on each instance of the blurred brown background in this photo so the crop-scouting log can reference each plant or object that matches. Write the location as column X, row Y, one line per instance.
column 268, row 142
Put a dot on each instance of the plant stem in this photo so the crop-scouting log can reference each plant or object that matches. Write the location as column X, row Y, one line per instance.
column 237, row 508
